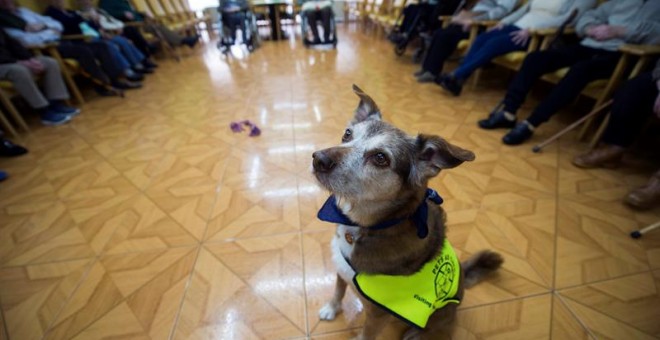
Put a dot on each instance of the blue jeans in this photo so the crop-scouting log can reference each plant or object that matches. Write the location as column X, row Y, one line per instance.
column 115, row 53
column 130, row 52
column 486, row 47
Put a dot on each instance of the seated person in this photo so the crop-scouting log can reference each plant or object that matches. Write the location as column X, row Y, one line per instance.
column 32, row 29
column 18, row 66
column 603, row 30
column 632, row 105
column 445, row 41
column 111, row 28
column 123, row 10
column 423, row 17
column 315, row 10
column 74, row 24
column 233, row 16
column 511, row 34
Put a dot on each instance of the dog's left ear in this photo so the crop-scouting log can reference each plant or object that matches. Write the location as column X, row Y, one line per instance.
column 367, row 109
column 435, row 153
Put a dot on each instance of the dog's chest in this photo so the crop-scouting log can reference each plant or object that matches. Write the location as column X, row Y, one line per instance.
column 342, row 248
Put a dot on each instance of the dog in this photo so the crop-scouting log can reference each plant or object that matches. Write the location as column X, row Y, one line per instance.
column 390, row 235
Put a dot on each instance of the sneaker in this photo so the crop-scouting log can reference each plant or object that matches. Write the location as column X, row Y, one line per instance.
column 519, row 134
column 496, row 119
column 67, row 110
column 419, row 72
column 426, row 77
column 450, row 84
column 3, row 176
column 54, row 118
column 647, row 196
column 9, row 149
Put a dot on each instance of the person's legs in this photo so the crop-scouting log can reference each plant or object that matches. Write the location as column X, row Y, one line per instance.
column 326, row 15
column 312, row 17
column 53, row 84
column 444, row 43
column 129, row 51
column 85, row 57
column 631, row 107
column 534, row 66
column 105, row 54
column 487, row 46
column 409, row 14
column 600, row 66
column 23, row 81
column 134, row 35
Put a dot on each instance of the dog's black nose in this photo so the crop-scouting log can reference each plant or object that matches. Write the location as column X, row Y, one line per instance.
column 321, row 162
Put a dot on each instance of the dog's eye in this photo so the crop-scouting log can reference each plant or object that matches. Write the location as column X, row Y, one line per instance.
column 381, row 160
column 348, row 135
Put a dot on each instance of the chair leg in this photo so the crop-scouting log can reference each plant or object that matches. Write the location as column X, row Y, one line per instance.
column 7, row 126
column 68, row 78
column 599, row 133
column 12, row 110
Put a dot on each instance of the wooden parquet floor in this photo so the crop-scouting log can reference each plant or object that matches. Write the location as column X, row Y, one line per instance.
column 146, row 217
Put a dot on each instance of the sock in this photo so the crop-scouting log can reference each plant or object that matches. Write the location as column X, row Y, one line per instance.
column 529, row 125
column 509, row 116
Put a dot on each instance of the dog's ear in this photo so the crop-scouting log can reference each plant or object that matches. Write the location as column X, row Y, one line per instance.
column 367, row 109
column 435, row 153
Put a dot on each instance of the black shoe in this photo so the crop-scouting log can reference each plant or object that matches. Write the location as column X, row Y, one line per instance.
column 9, row 149
column 148, row 63
column 520, row 133
column 135, row 77
column 449, row 83
column 496, row 120
column 126, row 85
column 143, row 70
column 316, row 41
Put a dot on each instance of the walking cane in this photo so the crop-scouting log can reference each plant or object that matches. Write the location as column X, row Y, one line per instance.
column 594, row 112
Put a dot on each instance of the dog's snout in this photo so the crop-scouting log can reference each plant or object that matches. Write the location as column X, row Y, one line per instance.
column 322, row 162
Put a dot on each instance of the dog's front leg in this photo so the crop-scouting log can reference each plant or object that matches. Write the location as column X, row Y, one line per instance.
column 333, row 307
column 375, row 321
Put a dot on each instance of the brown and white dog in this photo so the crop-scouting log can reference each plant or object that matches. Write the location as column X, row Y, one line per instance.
column 379, row 173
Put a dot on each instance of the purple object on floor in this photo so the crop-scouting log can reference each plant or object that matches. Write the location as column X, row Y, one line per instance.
column 254, row 131
column 236, row 127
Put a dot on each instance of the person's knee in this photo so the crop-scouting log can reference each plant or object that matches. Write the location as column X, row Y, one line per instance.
column 49, row 63
column 19, row 73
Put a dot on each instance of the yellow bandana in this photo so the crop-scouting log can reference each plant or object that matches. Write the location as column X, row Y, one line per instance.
column 415, row 297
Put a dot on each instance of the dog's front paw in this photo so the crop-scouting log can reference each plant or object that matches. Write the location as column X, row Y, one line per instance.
column 329, row 311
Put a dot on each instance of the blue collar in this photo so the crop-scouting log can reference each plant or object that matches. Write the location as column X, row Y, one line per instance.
column 331, row 213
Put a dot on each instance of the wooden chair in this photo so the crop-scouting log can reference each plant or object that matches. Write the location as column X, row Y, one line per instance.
column 171, row 22
column 184, row 9
column 391, row 19
column 378, row 9
column 6, row 91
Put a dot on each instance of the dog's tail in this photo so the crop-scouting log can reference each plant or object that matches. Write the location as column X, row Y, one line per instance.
column 480, row 265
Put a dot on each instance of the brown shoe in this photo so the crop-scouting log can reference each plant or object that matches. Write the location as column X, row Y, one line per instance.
column 604, row 156
column 647, row 196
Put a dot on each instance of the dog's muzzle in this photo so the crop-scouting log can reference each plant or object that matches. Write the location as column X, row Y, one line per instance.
column 322, row 162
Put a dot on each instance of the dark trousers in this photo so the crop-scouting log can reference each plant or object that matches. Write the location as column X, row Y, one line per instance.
column 133, row 34
column 323, row 15
column 233, row 21
column 586, row 65
column 443, row 44
column 85, row 57
column 632, row 105
column 413, row 15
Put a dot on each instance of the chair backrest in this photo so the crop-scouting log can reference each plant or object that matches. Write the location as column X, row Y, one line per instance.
column 186, row 5
column 157, row 8
column 142, row 6
column 37, row 6
column 168, row 7
column 178, row 6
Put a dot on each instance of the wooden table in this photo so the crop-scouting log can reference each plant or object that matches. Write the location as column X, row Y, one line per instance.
column 273, row 15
